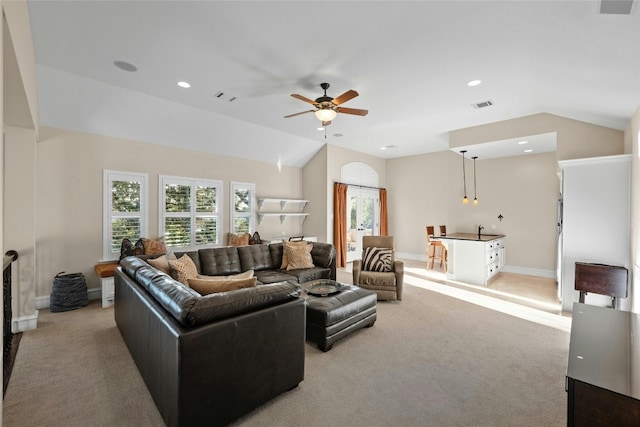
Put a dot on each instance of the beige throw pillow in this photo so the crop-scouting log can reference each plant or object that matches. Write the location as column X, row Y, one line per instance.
column 162, row 262
column 183, row 269
column 299, row 256
column 154, row 246
column 214, row 285
column 285, row 259
column 239, row 239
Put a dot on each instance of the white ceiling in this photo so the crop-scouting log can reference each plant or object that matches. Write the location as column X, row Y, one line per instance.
column 409, row 60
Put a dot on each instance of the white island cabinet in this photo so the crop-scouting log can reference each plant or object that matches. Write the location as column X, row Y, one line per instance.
column 474, row 260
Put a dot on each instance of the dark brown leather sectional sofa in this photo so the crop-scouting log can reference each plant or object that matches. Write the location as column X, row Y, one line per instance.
column 208, row 360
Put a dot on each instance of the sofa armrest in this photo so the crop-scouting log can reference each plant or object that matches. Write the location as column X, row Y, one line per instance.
column 356, row 267
column 398, row 268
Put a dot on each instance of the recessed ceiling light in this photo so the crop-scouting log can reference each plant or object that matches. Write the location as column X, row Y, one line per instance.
column 125, row 66
column 474, row 83
column 523, row 142
column 320, row 128
column 184, row 85
column 387, row 147
column 337, row 135
column 528, row 151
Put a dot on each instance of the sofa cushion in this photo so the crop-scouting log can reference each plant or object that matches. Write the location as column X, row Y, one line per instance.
column 275, row 276
column 219, row 261
column 256, row 257
column 308, row 274
column 323, row 254
column 213, row 284
column 227, row 304
column 183, row 269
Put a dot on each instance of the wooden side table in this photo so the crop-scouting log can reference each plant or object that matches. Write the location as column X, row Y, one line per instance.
column 106, row 271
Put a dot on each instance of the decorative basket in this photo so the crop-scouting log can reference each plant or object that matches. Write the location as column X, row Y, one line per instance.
column 69, row 292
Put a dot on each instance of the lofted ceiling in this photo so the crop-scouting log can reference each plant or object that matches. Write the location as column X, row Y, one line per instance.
column 410, row 61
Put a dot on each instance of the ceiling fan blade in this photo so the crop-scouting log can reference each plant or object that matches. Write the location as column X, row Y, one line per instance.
column 350, row 94
column 354, row 111
column 297, row 114
column 303, row 98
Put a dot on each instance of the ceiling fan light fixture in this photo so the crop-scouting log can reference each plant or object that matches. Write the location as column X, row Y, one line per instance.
column 326, row 114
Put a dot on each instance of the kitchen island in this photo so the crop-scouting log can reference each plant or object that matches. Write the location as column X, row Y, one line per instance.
column 473, row 258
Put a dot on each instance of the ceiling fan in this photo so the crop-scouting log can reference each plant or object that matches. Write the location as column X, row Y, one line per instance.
column 327, row 108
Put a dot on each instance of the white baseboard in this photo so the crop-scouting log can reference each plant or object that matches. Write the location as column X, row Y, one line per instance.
column 24, row 323
column 549, row 274
column 44, row 301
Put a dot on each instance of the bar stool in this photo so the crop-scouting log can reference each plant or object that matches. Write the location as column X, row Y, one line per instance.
column 433, row 245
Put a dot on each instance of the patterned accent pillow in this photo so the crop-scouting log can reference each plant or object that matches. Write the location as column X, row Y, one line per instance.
column 285, row 258
column 239, row 239
column 255, row 239
column 183, row 269
column 298, row 256
column 377, row 259
column 215, row 284
column 162, row 262
column 129, row 249
column 154, row 246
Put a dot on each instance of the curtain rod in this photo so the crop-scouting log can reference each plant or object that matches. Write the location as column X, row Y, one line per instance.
column 360, row 186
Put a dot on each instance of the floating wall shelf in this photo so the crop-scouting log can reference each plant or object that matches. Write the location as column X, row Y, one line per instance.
column 283, row 203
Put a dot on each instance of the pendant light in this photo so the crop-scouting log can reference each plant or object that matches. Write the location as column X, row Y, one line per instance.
column 465, row 201
column 475, row 198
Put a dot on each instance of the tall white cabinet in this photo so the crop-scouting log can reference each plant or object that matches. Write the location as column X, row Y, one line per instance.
column 596, row 222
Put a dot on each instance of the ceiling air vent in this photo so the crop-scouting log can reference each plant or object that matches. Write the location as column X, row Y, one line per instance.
column 482, row 104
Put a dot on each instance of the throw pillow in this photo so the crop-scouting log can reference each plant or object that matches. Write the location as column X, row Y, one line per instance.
column 154, row 246
column 244, row 275
column 255, row 239
column 377, row 259
column 239, row 239
column 183, row 269
column 129, row 249
column 162, row 262
column 214, row 285
column 299, row 256
column 285, row 259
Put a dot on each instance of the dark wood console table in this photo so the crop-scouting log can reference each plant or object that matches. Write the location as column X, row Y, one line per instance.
column 603, row 373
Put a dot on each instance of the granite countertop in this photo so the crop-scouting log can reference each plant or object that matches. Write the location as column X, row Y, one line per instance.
column 470, row 236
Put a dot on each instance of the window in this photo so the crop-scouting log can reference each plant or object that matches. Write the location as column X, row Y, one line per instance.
column 242, row 207
column 190, row 212
column 125, row 210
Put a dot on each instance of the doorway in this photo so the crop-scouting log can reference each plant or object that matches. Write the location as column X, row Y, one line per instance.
column 363, row 218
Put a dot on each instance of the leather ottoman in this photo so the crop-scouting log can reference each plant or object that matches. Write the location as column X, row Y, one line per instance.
column 332, row 317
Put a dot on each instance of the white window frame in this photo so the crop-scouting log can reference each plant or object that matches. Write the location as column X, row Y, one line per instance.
column 232, row 206
column 192, row 182
column 108, row 177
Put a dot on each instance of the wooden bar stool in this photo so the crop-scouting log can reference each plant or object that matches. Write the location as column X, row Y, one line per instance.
column 432, row 247
column 601, row 279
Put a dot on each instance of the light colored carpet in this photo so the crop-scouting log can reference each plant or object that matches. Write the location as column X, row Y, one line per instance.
column 430, row 360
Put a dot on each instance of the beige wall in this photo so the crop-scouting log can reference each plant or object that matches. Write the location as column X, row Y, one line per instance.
column 427, row 190
column 69, row 193
column 19, row 216
column 314, row 184
column 632, row 146
column 575, row 139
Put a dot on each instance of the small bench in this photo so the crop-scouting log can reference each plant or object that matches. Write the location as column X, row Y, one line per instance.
column 332, row 317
